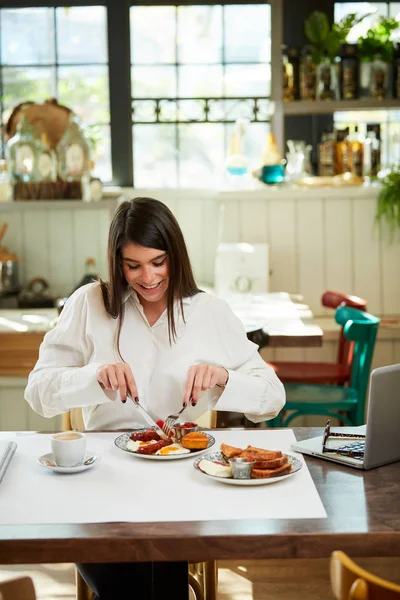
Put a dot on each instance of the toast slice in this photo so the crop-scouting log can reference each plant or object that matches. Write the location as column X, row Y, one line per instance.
column 260, row 453
column 264, row 473
column 274, row 463
column 230, row 451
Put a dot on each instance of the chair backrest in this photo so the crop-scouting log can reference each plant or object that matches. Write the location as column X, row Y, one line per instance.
column 351, row 582
column 360, row 328
column 332, row 299
column 17, row 589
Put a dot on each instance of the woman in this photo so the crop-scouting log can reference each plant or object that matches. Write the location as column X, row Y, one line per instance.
column 148, row 334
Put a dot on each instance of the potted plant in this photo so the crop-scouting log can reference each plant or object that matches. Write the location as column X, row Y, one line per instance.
column 325, row 40
column 388, row 204
column 376, row 51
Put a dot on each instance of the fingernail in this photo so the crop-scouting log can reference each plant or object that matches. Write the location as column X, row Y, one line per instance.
column 184, row 404
column 136, row 399
column 123, row 400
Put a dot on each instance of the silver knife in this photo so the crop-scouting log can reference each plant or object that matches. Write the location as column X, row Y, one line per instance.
column 150, row 420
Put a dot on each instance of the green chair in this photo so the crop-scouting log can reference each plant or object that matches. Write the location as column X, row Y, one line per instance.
column 344, row 403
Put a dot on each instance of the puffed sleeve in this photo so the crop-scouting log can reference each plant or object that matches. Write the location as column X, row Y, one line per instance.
column 63, row 378
column 253, row 387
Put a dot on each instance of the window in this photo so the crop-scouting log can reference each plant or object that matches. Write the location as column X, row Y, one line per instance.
column 389, row 120
column 62, row 53
column 194, row 70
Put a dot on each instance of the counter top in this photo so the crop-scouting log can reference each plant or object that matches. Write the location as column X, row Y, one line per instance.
column 27, row 320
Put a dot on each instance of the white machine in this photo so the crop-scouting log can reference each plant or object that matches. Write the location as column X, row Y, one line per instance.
column 241, row 268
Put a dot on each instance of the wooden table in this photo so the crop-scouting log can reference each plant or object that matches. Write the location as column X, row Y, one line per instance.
column 274, row 320
column 363, row 520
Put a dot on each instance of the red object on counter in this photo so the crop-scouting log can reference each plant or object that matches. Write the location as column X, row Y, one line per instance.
column 160, row 423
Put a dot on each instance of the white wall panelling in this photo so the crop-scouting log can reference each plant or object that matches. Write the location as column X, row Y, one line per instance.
column 319, row 239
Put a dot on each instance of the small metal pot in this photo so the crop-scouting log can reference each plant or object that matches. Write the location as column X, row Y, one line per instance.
column 9, row 277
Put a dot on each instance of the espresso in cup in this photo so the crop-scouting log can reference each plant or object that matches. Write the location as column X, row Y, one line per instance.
column 68, row 448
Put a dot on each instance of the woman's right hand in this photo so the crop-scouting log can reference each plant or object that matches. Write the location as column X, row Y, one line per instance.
column 118, row 377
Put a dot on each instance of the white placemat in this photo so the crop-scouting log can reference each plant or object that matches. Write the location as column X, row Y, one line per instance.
column 125, row 488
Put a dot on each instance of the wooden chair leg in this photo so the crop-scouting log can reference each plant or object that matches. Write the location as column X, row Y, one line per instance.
column 83, row 591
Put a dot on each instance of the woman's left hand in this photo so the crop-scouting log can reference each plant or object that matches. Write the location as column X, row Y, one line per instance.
column 201, row 378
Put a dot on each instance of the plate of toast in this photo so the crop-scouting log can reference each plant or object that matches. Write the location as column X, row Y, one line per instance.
column 263, row 466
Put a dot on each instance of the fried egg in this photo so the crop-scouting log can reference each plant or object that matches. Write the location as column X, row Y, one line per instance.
column 172, row 449
column 133, row 446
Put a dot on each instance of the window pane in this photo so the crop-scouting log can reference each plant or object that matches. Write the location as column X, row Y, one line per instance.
column 247, row 80
column 247, row 33
column 201, row 155
column 153, row 32
column 342, row 9
column 394, row 10
column 85, row 91
column 154, row 156
column 101, row 151
column 27, row 36
column 21, row 85
column 254, row 142
column 154, row 82
column 199, row 34
column 82, row 34
column 194, row 81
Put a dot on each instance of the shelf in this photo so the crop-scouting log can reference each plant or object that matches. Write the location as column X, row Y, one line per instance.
column 326, row 107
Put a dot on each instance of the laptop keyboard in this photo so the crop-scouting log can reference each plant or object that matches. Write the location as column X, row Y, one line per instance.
column 356, row 448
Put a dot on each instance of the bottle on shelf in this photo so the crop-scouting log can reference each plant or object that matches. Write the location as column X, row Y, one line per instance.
column 326, row 161
column 341, row 151
column 236, row 164
column 356, row 151
column 372, row 155
column 349, row 72
column 308, row 75
column 5, row 183
column 73, row 153
column 327, row 83
column 380, row 75
column 90, row 274
column 92, row 187
column 290, row 73
column 24, row 153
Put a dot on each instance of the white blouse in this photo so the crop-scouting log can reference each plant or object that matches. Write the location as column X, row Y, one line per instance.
column 64, row 377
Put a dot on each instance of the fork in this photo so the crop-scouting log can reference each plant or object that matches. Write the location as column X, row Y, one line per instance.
column 170, row 421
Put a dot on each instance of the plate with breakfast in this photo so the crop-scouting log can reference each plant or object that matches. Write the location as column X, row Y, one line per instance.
column 247, row 466
column 146, row 443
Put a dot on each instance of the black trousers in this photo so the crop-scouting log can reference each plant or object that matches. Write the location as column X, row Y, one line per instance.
column 136, row 581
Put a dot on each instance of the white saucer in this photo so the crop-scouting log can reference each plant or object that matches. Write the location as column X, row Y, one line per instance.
column 48, row 461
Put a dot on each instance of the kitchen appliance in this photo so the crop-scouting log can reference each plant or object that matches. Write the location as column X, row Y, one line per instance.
column 241, row 268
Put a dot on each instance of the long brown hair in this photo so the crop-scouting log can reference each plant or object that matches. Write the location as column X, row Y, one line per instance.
column 149, row 223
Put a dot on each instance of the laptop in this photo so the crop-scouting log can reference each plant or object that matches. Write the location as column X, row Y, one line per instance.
column 370, row 446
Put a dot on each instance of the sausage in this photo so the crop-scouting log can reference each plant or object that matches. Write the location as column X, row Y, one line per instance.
column 152, row 448
column 144, row 436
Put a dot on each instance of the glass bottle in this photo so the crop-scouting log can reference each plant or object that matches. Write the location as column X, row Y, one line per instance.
column 308, row 75
column 349, row 72
column 290, row 73
column 356, row 152
column 341, row 151
column 326, row 163
column 23, row 152
column 327, row 84
column 379, row 84
column 5, row 183
column 73, row 152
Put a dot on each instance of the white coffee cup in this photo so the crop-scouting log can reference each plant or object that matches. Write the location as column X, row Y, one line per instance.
column 69, row 448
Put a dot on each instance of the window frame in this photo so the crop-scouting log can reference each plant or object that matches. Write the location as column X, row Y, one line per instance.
column 120, row 70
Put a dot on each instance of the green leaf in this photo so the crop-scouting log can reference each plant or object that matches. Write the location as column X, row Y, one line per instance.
column 316, row 27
